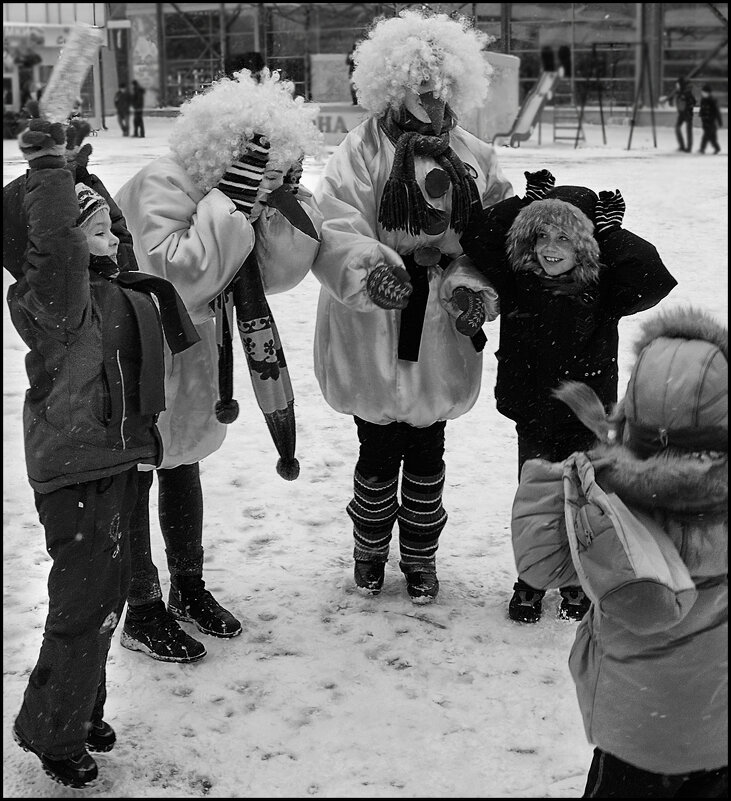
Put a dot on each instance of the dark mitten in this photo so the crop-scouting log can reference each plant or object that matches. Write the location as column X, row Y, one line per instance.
column 76, row 154
column 473, row 311
column 292, row 179
column 389, row 287
column 242, row 179
column 609, row 211
column 43, row 140
column 537, row 184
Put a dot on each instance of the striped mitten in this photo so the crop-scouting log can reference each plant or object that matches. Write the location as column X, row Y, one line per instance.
column 241, row 180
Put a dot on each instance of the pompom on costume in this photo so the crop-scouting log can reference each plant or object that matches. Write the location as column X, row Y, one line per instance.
column 650, row 658
column 396, row 196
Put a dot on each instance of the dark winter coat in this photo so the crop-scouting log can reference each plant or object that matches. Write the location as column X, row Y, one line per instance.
column 15, row 223
column 710, row 114
column 685, row 102
column 88, row 413
column 553, row 330
column 138, row 96
column 122, row 101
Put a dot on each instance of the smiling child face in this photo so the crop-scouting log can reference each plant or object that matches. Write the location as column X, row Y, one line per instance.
column 555, row 252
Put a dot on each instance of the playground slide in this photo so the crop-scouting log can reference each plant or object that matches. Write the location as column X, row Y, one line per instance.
column 530, row 110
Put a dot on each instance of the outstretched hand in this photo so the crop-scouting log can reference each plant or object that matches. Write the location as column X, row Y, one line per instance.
column 609, row 211
column 43, row 138
column 537, row 184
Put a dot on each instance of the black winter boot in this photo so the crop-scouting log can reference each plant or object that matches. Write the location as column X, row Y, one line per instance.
column 574, row 603
column 526, row 604
column 190, row 601
column 77, row 770
column 151, row 629
column 101, row 737
column 422, row 583
column 369, row 576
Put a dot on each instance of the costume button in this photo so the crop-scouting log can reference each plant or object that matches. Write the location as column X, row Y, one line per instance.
column 436, row 183
column 427, row 256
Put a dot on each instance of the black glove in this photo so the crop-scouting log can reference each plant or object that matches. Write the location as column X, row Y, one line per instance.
column 242, row 179
column 537, row 184
column 43, row 143
column 76, row 154
column 609, row 211
column 389, row 287
column 292, row 179
column 473, row 311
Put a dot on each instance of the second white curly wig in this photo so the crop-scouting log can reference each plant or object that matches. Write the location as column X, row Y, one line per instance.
column 401, row 52
column 214, row 127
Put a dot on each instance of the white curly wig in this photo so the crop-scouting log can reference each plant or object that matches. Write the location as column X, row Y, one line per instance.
column 401, row 52
column 215, row 127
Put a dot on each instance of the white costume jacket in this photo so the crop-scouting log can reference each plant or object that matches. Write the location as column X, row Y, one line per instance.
column 355, row 347
column 198, row 242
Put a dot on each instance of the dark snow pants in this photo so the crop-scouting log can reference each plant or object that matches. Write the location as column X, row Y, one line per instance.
column 684, row 121
column 384, row 449
column 180, row 507
column 87, row 536
column 610, row 777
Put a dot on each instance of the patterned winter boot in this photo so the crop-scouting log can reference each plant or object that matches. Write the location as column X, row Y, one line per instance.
column 373, row 511
column 574, row 603
column 421, row 519
column 526, row 605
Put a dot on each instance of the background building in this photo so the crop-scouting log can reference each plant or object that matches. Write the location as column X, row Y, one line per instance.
column 610, row 53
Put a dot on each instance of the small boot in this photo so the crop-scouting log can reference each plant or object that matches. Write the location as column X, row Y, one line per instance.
column 369, row 576
column 77, row 770
column 422, row 583
column 526, row 604
column 190, row 601
column 574, row 603
column 151, row 629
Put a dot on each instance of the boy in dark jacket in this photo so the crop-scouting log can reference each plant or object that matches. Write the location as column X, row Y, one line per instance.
column 563, row 285
column 684, row 100
column 96, row 371
column 710, row 119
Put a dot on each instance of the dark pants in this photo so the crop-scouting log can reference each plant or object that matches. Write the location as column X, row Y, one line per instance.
column 610, row 777
column 374, row 508
column 123, row 120
column 551, row 451
column 710, row 137
column 180, row 508
column 686, row 122
column 87, row 536
column 138, row 124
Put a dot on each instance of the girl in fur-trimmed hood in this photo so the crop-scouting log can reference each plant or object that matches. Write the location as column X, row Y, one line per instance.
column 565, row 272
column 653, row 690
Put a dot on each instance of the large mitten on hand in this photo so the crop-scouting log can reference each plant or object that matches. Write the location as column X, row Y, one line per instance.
column 241, row 180
column 43, row 143
column 389, row 287
column 537, row 184
column 609, row 211
column 473, row 311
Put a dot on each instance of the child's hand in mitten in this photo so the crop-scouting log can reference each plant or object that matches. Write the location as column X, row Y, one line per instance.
column 537, row 184
column 473, row 311
column 389, row 286
column 609, row 211
column 43, row 143
column 242, row 179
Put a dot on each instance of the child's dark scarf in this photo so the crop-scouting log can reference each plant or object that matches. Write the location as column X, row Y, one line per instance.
column 402, row 204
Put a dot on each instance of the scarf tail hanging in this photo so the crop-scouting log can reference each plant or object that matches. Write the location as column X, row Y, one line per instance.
column 267, row 365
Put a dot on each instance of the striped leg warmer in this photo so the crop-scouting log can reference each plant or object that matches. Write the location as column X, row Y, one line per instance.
column 421, row 519
column 373, row 511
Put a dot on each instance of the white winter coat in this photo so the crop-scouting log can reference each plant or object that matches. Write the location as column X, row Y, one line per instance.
column 356, row 342
column 198, row 242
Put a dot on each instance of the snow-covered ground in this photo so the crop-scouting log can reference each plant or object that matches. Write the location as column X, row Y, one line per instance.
column 327, row 694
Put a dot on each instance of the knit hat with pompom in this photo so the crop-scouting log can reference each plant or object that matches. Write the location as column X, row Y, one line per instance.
column 90, row 203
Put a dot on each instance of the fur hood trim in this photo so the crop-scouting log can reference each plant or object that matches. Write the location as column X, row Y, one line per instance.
column 684, row 323
column 573, row 222
column 695, row 483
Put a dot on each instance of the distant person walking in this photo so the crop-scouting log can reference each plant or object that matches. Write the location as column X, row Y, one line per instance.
column 138, row 104
column 122, row 102
column 710, row 119
column 684, row 100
